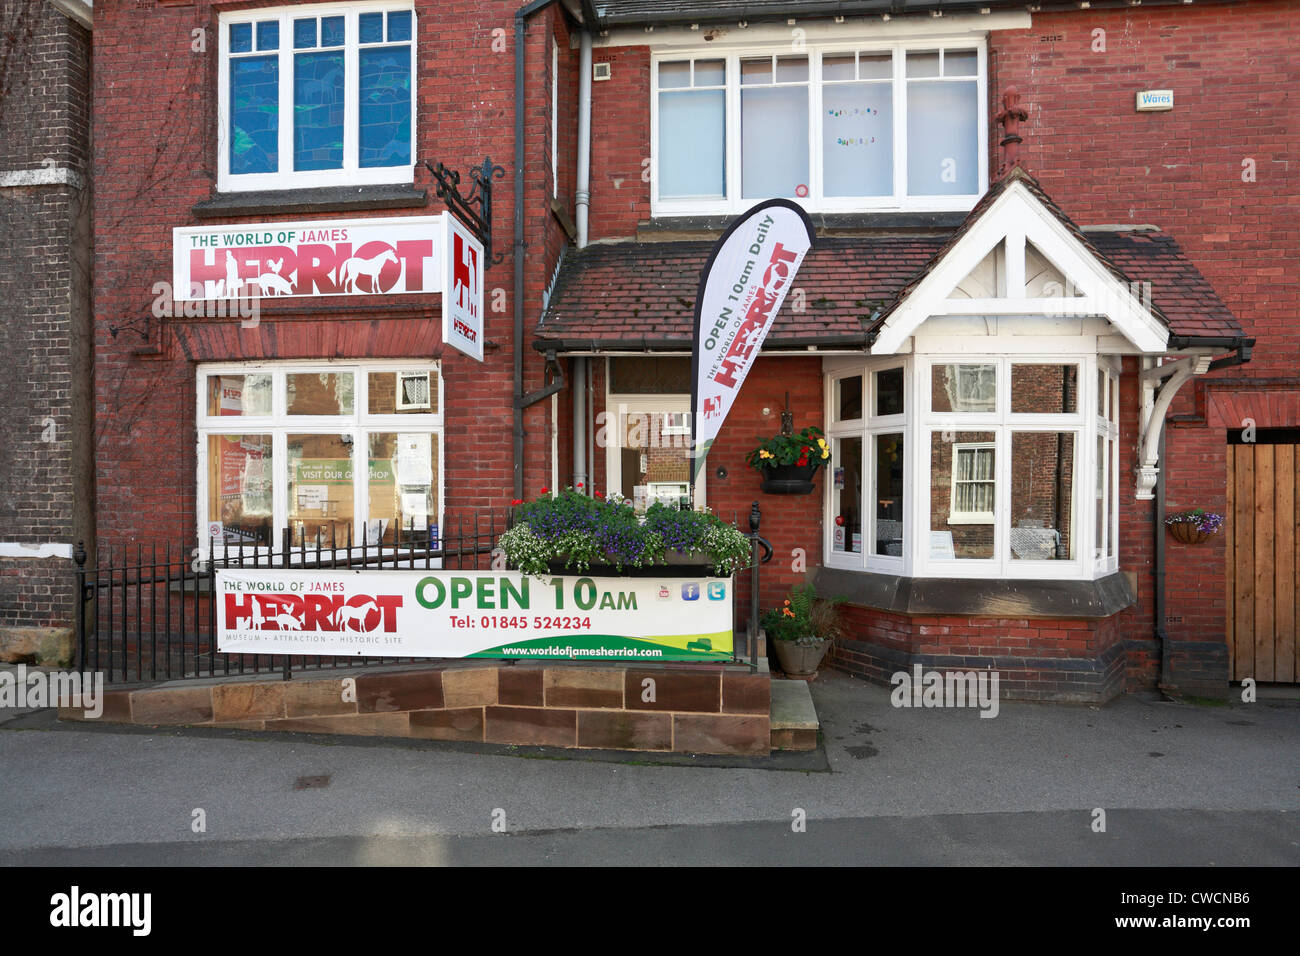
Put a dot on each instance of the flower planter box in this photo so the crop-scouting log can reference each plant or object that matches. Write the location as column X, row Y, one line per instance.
column 789, row 479
column 677, row 565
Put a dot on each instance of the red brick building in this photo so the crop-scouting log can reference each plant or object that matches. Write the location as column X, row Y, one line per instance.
column 981, row 355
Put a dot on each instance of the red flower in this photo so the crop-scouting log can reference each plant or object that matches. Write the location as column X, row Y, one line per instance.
column 805, row 449
column 517, row 501
column 839, row 520
column 802, row 461
column 579, row 484
column 600, row 494
column 545, row 489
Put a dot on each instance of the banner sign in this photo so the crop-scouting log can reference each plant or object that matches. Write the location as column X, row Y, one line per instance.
column 397, row 256
column 413, row 613
column 462, row 306
column 741, row 290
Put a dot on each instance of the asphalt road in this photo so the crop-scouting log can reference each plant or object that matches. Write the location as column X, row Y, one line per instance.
column 1180, row 784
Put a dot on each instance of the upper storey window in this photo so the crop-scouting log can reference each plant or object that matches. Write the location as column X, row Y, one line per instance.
column 316, row 95
column 840, row 129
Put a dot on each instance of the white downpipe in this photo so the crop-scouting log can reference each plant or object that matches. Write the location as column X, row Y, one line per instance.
column 580, row 424
column 582, row 194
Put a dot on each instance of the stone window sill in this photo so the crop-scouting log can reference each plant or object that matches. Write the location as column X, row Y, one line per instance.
column 323, row 199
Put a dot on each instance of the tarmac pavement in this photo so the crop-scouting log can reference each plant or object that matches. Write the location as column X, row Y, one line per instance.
column 1180, row 783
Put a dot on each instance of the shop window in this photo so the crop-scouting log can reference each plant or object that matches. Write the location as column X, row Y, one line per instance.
column 645, row 429
column 890, row 127
column 334, row 455
column 316, row 95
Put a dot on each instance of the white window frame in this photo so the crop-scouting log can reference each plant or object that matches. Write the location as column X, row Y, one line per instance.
column 733, row 202
column 359, row 424
column 351, row 174
column 869, row 427
column 971, row 517
column 555, row 119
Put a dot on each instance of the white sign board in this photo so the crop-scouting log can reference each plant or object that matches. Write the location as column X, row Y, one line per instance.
column 462, row 305
column 396, row 256
column 1154, row 101
column 414, row 613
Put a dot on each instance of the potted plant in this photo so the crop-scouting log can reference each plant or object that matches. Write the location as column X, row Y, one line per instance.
column 571, row 530
column 788, row 462
column 1193, row 527
column 801, row 630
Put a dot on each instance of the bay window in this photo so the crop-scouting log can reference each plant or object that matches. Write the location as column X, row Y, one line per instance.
column 839, row 128
column 316, row 95
column 335, row 454
column 997, row 461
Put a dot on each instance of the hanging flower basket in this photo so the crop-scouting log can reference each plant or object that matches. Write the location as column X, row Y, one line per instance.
column 1194, row 527
column 788, row 463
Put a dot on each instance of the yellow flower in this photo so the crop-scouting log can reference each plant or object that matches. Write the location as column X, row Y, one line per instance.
column 822, row 442
column 825, row 454
column 764, row 454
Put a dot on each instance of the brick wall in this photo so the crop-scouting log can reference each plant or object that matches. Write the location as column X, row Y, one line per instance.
column 45, row 482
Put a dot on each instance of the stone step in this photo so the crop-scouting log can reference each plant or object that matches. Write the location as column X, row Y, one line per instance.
column 794, row 718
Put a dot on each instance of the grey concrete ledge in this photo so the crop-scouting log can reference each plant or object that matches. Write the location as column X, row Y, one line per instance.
column 325, row 199
column 977, row 597
column 826, row 223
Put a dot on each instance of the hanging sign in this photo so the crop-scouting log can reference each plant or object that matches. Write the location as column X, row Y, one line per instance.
column 397, row 256
column 436, row 613
column 462, row 304
column 741, row 290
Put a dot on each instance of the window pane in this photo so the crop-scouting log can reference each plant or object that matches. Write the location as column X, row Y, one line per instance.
column 304, row 33
column 888, row 495
column 399, row 25
column 839, row 67
column 875, row 66
column 268, row 35
column 318, row 110
column 655, row 463
column 1114, row 399
column 710, row 72
column 791, row 69
column 692, row 143
column 858, row 139
column 1111, row 544
column 923, row 63
column 942, row 138
column 963, row 388
column 320, row 489
column 1099, row 495
column 963, row 494
column 848, row 398
column 756, row 71
column 1042, row 496
column 323, row 393
column 239, row 488
column 254, row 111
column 332, row 31
column 846, row 458
column 652, row 374
column 774, row 141
column 960, row 63
column 370, row 26
column 1045, row 389
column 403, row 485
column 239, row 395
column 674, row 75
column 241, row 38
column 889, row 392
column 386, row 106
column 402, row 393
column 1101, row 393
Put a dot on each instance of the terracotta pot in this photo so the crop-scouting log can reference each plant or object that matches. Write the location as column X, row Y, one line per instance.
column 1188, row 533
column 798, row 659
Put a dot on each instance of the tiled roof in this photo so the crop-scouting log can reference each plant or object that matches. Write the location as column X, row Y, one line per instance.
column 645, row 292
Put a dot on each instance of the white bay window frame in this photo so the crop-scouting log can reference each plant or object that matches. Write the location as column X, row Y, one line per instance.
column 359, row 424
column 351, row 173
column 900, row 201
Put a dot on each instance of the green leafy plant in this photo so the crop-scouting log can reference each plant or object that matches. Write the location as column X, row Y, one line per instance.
column 804, row 617
column 808, row 447
column 581, row 531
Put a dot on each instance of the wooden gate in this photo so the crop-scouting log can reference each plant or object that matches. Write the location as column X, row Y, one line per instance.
column 1262, row 562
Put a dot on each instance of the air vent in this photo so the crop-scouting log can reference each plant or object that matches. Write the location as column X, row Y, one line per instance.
column 602, row 71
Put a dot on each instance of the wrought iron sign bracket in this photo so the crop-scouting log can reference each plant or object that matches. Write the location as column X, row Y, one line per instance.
column 478, row 220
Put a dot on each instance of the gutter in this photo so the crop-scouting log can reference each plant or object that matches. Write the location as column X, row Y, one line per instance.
column 647, row 343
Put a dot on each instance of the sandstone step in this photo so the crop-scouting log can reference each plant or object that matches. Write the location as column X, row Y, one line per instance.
column 793, row 718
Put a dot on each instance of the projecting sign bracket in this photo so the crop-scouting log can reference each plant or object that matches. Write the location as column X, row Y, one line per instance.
column 478, row 221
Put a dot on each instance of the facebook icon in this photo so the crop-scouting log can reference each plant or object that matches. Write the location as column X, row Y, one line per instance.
column 690, row 592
